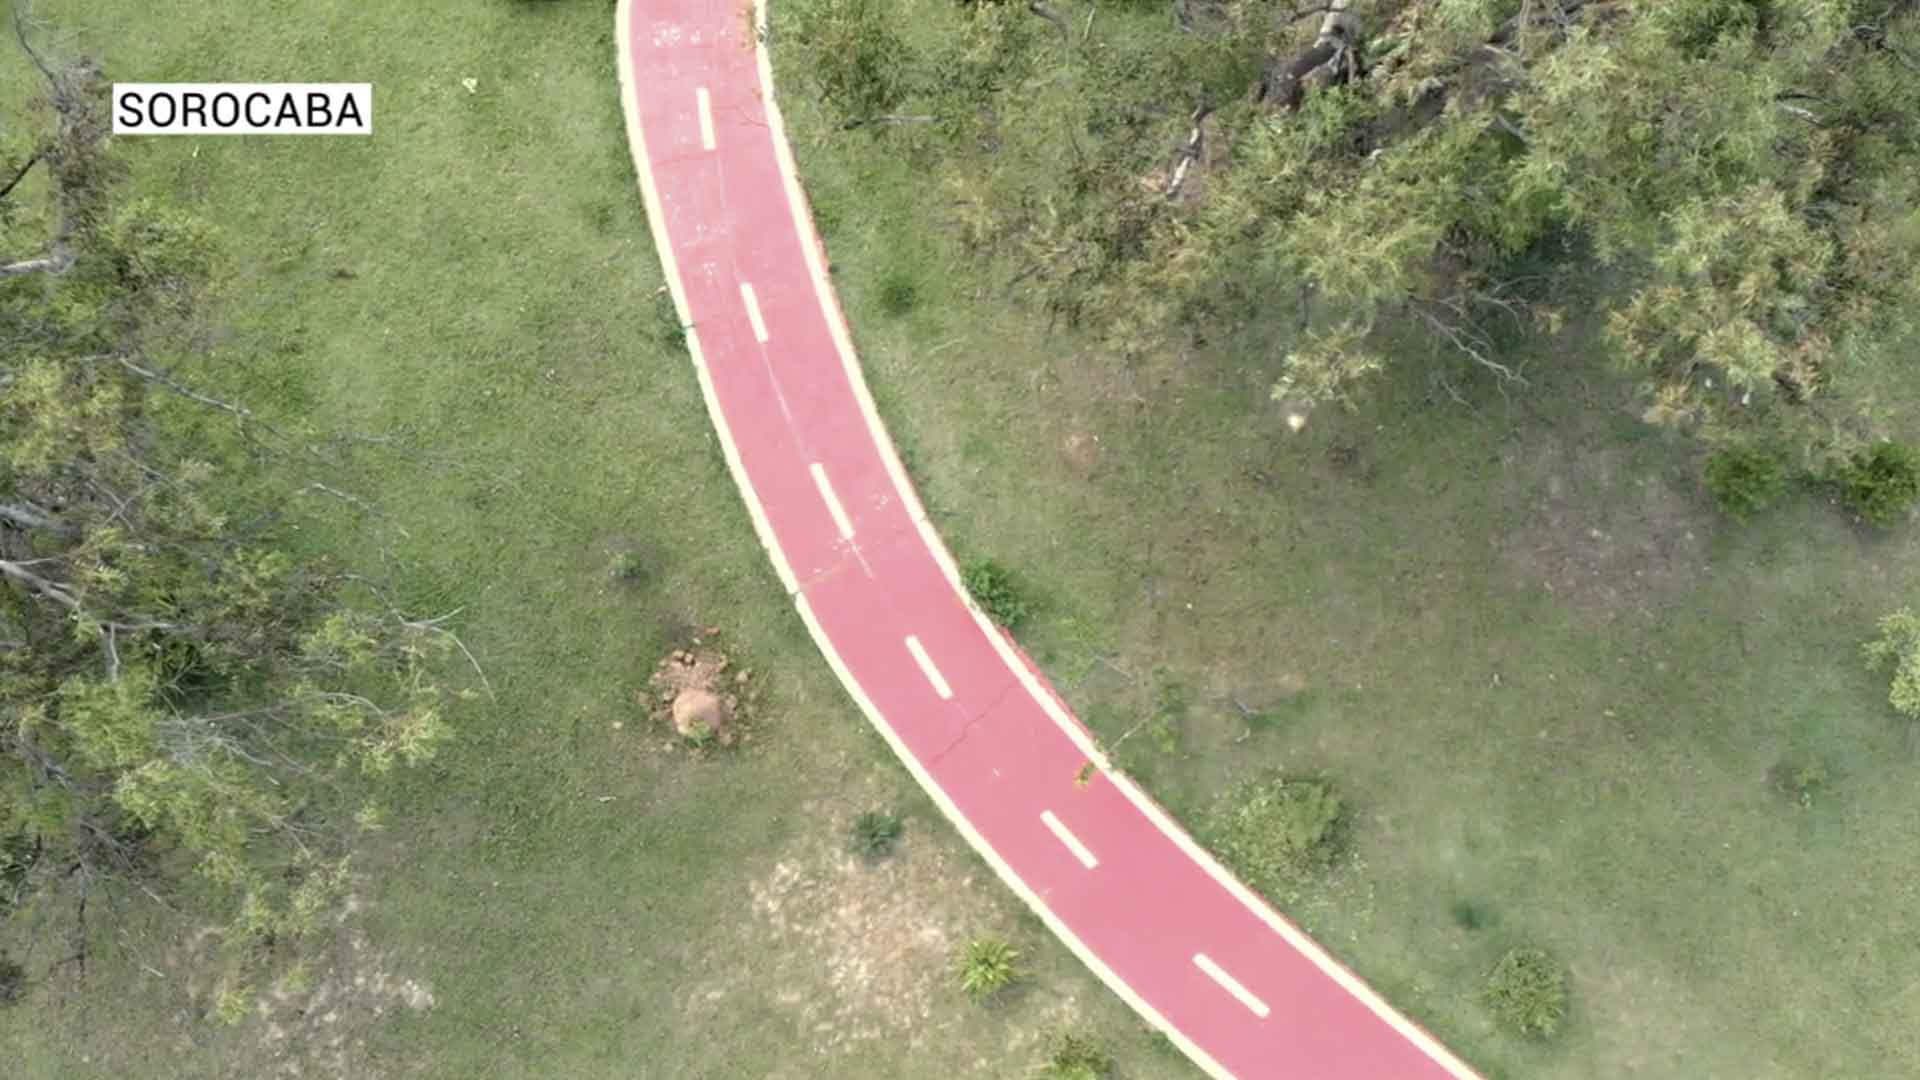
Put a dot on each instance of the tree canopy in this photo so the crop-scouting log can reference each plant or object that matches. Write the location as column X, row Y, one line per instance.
column 1731, row 186
column 179, row 687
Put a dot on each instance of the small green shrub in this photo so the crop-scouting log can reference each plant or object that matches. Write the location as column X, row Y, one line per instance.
column 1694, row 26
column 997, row 592
column 1898, row 648
column 1745, row 480
column 874, row 834
column 1470, row 915
column 1277, row 833
column 13, row 980
column 668, row 328
column 628, row 566
column 1074, row 1057
column 861, row 64
column 1881, row 484
column 1798, row 776
column 988, row 966
column 1527, row 992
column 898, row 294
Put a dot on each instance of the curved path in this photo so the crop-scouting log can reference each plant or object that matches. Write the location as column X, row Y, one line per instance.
column 1238, row 988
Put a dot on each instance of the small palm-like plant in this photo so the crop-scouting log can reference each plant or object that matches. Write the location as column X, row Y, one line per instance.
column 988, row 965
column 1527, row 992
column 874, row 834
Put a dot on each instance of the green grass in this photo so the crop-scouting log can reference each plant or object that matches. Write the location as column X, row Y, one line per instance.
column 476, row 281
column 1551, row 681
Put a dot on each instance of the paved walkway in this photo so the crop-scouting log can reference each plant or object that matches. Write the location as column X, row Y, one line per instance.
column 1242, row 991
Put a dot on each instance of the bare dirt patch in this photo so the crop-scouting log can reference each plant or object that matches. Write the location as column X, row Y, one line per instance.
column 1081, row 449
column 695, row 692
column 856, row 952
column 314, row 1020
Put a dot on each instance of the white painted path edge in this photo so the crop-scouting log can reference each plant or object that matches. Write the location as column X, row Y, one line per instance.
column 836, row 321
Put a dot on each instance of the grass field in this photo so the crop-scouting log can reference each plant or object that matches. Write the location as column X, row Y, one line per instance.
column 556, row 896
column 1550, row 680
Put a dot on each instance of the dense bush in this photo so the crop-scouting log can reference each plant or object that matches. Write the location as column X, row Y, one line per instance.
column 988, row 966
column 997, row 592
column 1527, row 991
column 1276, row 833
column 1882, row 483
column 1898, row 648
column 861, row 64
column 1745, row 480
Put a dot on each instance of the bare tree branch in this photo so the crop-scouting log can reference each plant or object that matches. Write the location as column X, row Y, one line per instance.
column 1190, row 152
column 183, row 390
column 1054, row 17
column 58, row 262
column 860, row 122
column 21, row 174
column 28, row 516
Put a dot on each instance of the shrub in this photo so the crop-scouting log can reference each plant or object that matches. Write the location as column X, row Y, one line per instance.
column 874, row 834
column 1469, row 915
column 1882, row 483
column 861, row 64
column 987, row 966
column 1745, row 480
column 13, row 980
column 898, row 294
column 1799, row 776
column 1527, row 991
column 667, row 326
column 628, row 566
column 1276, row 833
column 997, row 592
column 1074, row 1057
column 1898, row 648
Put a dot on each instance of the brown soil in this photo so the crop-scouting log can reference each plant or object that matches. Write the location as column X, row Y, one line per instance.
column 1082, row 452
column 853, row 952
column 694, row 691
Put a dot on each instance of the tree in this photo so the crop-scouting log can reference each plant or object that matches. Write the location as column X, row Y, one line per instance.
column 1757, row 252
column 176, row 688
column 1730, row 187
column 1897, row 649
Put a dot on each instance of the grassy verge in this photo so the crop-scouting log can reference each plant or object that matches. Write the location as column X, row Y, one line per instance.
column 562, row 895
column 1555, row 687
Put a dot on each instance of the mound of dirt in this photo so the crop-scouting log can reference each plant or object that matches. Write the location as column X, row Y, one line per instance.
column 699, row 713
column 692, row 690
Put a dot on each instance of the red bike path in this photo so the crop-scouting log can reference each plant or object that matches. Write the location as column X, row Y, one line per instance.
column 1238, row 988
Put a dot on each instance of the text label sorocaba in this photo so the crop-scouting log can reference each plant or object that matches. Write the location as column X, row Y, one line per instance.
column 243, row 108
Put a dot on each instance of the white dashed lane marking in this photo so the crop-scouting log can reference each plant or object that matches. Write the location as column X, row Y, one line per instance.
column 706, row 118
column 1231, row 984
column 840, row 519
column 1073, row 843
column 926, row 667
column 753, row 313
